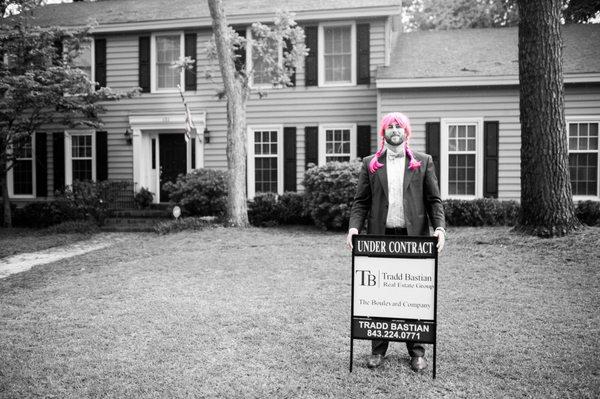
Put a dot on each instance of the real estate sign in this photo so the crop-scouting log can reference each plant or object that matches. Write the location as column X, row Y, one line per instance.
column 394, row 281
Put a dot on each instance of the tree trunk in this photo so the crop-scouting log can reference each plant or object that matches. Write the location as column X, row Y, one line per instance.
column 546, row 200
column 7, row 219
column 237, row 209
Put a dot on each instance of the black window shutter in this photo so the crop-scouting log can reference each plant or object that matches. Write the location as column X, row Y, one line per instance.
column 433, row 145
column 311, row 143
column 288, row 46
column 240, row 53
column 144, row 64
column 41, row 165
column 101, row 156
column 100, row 62
column 363, row 54
column 311, row 63
column 490, row 159
column 363, row 141
column 289, row 159
column 58, row 155
column 190, row 51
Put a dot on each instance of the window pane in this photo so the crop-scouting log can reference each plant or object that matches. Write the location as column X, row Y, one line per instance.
column 471, row 131
column 337, row 54
column 471, row 145
column 462, row 131
column 461, row 176
column 452, row 131
column 583, row 169
column 583, row 129
column 265, row 175
column 452, row 145
column 84, row 60
column 593, row 130
column 23, row 177
column 167, row 51
column 82, row 169
column 572, row 129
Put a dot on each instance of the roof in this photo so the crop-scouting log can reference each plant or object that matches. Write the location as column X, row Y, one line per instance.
column 480, row 54
column 109, row 12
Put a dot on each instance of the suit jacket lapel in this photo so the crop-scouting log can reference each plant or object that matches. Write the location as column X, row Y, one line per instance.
column 408, row 175
column 382, row 174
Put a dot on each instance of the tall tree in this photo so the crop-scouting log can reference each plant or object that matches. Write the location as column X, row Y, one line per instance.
column 546, row 200
column 237, row 82
column 39, row 87
column 459, row 14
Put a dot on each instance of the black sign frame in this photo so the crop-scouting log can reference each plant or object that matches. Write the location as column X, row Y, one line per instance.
column 392, row 329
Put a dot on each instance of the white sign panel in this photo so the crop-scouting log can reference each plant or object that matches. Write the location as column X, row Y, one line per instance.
column 394, row 288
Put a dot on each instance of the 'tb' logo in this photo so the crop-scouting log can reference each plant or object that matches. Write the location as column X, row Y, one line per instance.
column 367, row 278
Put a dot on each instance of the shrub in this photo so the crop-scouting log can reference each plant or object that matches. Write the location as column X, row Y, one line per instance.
column 89, row 198
column 74, row 226
column 588, row 212
column 268, row 209
column 143, row 198
column 44, row 214
column 263, row 210
column 290, row 208
column 329, row 193
column 481, row 212
column 202, row 192
column 175, row 225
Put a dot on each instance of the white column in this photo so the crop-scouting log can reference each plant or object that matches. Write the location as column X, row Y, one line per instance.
column 137, row 159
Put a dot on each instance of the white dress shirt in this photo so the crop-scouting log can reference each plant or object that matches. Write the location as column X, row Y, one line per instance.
column 395, row 166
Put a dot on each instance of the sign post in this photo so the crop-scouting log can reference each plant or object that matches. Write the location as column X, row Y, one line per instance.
column 394, row 290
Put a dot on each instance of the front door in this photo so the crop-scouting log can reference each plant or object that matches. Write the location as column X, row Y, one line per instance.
column 173, row 160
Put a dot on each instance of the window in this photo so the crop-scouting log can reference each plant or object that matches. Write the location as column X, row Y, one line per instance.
column 23, row 170
column 337, row 143
column 265, row 160
column 85, row 60
column 462, row 153
column 81, row 156
column 256, row 63
column 80, row 150
column 167, row 49
column 583, row 157
column 337, row 54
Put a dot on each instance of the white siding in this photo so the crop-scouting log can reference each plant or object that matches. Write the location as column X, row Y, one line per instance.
column 493, row 104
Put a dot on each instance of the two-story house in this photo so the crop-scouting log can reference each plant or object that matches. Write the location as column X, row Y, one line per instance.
column 460, row 89
column 330, row 113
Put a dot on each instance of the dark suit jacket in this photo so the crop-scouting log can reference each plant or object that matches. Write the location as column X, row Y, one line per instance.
column 422, row 202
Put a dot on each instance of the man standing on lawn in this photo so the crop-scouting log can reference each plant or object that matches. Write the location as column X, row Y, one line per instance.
column 398, row 194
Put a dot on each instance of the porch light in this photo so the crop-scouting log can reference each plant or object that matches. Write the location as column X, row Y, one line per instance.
column 128, row 135
column 206, row 135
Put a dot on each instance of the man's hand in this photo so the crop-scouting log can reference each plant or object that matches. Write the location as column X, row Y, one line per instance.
column 351, row 232
column 441, row 236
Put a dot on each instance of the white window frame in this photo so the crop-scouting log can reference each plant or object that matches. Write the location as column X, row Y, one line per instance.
column 444, row 156
column 252, row 156
column 321, row 56
column 10, row 176
column 250, row 62
column 322, row 139
column 585, row 119
column 153, row 70
column 69, row 153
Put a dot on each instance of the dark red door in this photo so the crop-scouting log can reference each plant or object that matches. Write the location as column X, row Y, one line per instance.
column 172, row 155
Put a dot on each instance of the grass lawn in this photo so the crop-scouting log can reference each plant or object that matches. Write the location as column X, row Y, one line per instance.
column 265, row 313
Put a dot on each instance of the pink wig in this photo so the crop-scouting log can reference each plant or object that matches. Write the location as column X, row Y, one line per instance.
column 403, row 121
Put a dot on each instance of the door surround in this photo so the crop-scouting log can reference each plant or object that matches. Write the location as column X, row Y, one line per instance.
column 148, row 125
